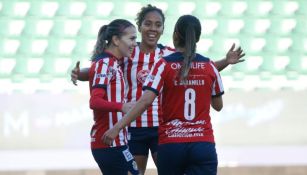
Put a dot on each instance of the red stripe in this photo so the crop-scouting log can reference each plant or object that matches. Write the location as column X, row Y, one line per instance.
column 98, row 71
column 159, row 86
column 111, row 64
column 149, row 110
column 129, row 81
column 113, row 98
column 160, row 81
column 151, row 60
column 122, row 84
column 139, row 86
column 155, row 71
column 122, row 92
column 159, row 110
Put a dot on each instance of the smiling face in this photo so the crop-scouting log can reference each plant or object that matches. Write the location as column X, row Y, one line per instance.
column 127, row 42
column 151, row 29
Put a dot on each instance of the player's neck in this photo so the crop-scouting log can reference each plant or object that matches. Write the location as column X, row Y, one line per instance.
column 147, row 49
column 114, row 51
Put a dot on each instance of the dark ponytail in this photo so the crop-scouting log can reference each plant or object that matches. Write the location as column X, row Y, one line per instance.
column 189, row 54
column 188, row 30
column 101, row 42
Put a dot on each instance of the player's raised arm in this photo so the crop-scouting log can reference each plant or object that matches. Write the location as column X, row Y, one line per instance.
column 77, row 74
column 233, row 56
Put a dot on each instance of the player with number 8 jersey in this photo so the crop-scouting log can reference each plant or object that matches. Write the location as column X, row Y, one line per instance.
column 185, row 103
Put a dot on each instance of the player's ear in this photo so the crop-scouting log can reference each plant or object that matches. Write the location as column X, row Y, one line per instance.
column 115, row 40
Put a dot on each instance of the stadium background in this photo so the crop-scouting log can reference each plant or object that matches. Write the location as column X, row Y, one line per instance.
column 45, row 120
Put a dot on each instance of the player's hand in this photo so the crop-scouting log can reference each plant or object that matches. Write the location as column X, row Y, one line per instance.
column 109, row 136
column 234, row 56
column 127, row 106
column 75, row 73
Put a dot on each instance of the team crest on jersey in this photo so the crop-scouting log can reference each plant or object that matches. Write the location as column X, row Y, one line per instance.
column 142, row 75
column 111, row 73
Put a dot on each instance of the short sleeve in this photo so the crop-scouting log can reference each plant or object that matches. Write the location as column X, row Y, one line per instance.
column 155, row 79
column 217, row 87
column 103, row 70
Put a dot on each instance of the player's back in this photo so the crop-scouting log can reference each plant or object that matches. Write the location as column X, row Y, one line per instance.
column 186, row 103
column 188, row 98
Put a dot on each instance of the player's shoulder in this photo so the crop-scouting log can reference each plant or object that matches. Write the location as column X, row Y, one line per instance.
column 104, row 58
column 178, row 57
column 173, row 57
column 201, row 58
column 164, row 47
column 165, row 50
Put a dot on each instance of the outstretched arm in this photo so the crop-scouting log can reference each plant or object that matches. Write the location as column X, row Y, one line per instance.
column 140, row 106
column 97, row 102
column 232, row 57
column 77, row 74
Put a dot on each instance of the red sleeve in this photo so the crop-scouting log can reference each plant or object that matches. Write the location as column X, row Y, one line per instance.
column 155, row 79
column 98, row 103
column 214, row 63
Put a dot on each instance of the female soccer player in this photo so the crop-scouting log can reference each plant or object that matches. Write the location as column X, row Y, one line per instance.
column 188, row 83
column 114, row 42
column 143, row 132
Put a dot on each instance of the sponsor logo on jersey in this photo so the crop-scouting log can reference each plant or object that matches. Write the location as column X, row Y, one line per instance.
column 101, row 75
column 194, row 65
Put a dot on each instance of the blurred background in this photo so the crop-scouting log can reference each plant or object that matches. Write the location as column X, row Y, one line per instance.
column 45, row 120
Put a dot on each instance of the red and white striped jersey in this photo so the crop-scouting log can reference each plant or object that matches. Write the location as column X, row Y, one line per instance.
column 135, row 71
column 106, row 73
column 185, row 103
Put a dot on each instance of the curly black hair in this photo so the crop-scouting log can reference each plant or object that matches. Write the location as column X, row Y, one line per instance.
column 146, row 9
